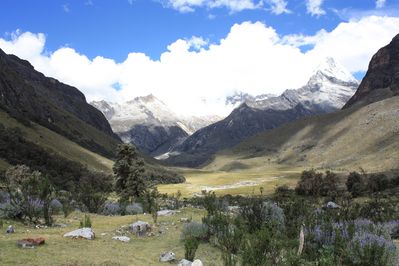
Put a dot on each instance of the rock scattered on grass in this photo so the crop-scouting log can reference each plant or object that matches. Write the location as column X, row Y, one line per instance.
column 86, row 233
column 140, row 228
column 184, row 262
column 30, row 242
column 10, row 229
column 197, row 263
column 122, row 238
column 167, row 212
column 167, row 257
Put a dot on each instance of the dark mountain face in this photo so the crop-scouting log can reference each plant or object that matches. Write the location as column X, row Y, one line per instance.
column 382, row 78
column 154, row 140
column 242, row 123
column 28, row 95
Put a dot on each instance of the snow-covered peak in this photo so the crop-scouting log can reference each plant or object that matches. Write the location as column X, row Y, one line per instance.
column 148, row 111
column 331, row 68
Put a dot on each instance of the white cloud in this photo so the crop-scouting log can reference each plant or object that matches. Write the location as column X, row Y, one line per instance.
column 185, row 6
column 380, row 3
column 278, row 6
column 193, row 76
column 314, row 7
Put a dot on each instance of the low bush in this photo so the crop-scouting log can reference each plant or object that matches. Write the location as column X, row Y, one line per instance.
column 133, row 209
column 111, row 208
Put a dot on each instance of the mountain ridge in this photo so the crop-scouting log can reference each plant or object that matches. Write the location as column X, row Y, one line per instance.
column 322, row 94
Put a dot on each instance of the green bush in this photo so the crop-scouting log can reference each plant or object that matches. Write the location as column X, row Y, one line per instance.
column 190, row 247
column 85, row 222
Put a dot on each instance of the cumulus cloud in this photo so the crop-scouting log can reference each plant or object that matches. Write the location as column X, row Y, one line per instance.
column 193, row 76
column 314, row 7
column 380, row 3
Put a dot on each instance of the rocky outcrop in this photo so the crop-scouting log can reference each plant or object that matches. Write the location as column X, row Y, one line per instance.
column 28, row 95
column 382, row 77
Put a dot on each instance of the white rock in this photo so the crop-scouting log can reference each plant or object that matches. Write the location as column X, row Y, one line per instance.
column 167, row 256
column 139, row 227
column 185, row 262
column 167, row 212
column 85, row 232
column 121, row 238
column 197, row 263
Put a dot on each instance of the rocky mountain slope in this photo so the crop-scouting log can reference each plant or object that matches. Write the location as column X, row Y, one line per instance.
column 364, row 134
column 382, row 78
column 150, row 124
column 327, row 90
column 28, row 95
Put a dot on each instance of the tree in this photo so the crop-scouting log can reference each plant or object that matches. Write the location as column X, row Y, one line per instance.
column 129, row 171
column 93, row 190
column 30, row 193
column 356, row 184
column 310, row 184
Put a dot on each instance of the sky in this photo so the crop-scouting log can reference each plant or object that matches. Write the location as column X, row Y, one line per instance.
column 191, row 54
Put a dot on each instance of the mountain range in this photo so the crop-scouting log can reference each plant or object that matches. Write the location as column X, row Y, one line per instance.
column 150, row 124
column 327, row 90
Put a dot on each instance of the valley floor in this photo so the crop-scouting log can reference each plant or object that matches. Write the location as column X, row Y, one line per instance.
column 234, row 182
column 103, row 250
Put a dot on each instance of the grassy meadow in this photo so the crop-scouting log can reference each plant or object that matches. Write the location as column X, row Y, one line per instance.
column 103, row 250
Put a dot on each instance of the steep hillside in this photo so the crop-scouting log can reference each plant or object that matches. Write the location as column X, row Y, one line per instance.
column 328, row 89
column 28, row 95
column 382, row 78
column 356, row 137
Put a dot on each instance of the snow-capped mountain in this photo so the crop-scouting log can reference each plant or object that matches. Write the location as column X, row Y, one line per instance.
column 240, row 97
column 150, row 124
column 327, row 90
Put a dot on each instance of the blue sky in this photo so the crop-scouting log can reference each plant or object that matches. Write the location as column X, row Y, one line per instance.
column 115, row 28
column 196, row 50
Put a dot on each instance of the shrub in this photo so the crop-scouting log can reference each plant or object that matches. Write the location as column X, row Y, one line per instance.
column 190, row 247
column 258, row 213
column 135, row 208
column 356, row 184
column 377, row 182
column 30, row 192
column 56, row 206
column 93, row 190
column 85, row 222
column 310, row 183
column 371, row 249
column 111, row 208
column 195, row 229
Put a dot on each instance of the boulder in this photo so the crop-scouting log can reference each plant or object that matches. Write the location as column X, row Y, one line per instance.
column 167, row 257
column 332, row 205
column 121, row 238
column 140, row 228
column 185, row 220
column 85, row 232
column 197, row 263
column 167, row 212
column 10, row 229
column 184, row 262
